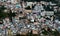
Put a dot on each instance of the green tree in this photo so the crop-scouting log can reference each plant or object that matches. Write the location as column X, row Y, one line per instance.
column 5, row 14
column 2, row 13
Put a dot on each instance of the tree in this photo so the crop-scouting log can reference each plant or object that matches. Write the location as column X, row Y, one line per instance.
column 10, row 15
column 5, row 14
column 2, row 13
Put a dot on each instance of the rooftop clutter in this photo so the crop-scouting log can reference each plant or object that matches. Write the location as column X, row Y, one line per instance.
column 29, row 17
